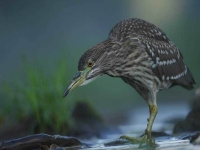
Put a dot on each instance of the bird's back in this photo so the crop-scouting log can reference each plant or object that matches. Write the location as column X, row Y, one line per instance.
column 164, row 57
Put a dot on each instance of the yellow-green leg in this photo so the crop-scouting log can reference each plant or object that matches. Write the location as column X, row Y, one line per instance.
column 153, row 109
column 147, row 138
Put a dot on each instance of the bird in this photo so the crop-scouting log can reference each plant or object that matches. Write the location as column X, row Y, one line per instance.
column 143, row 56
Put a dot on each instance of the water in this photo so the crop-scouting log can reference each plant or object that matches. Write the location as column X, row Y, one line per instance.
column 137, row 124
column 163, row 144
column 171, row 144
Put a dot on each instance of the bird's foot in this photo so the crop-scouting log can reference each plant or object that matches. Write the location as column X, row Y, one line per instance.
column 145, row 140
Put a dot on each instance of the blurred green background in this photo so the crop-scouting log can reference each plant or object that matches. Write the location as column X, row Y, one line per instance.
column 47, row 38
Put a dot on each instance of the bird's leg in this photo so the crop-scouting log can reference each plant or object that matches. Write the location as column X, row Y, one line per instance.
column 153, row 109
column 147, row 137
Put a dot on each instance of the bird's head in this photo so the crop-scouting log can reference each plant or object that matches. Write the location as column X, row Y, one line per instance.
column 92, row 64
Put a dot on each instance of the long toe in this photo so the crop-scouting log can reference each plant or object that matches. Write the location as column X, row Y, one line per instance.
column 142, row 141
column 132, row 140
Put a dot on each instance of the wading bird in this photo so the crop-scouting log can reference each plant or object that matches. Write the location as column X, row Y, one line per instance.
column 141, row 55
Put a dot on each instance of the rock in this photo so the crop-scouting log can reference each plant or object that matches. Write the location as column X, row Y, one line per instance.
column 192, row 121
column 116, row 142
column 38, row 141
column 195, row 139
column 55, row 147
column 183, row 126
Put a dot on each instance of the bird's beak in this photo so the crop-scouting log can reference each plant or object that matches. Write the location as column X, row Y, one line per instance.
column 78, row 79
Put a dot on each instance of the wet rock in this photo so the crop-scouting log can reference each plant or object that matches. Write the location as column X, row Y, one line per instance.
column 116, row 142
column 53, row 147
column 123, row 143
column 119, row 142
column 39, row 141
column 183, row 126
column 195, row 139
column 192, row 121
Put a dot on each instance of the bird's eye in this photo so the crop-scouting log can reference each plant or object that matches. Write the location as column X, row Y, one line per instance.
column 90, row 63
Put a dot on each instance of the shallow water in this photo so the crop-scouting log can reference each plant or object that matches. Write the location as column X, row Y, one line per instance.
column 137, row 124
column 163, row 144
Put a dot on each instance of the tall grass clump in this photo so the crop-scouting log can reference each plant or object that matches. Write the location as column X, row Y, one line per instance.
column 38, row 96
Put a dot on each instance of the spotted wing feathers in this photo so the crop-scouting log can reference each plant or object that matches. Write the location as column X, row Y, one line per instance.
column 165, row 58
column 167, row 62
column 139, row 27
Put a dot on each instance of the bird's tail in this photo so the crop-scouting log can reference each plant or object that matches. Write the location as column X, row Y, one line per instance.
column 186, row 81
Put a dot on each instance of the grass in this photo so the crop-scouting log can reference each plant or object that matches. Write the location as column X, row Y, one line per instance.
column 39, row 96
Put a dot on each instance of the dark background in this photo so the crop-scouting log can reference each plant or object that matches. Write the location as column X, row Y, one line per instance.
column 47, row 31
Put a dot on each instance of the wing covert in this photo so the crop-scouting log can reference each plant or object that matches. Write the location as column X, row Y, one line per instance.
column 136, row 26
column 165, row 58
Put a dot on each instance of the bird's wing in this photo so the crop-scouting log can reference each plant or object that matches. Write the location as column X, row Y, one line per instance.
column 139, row 27
column 165, row 58
column 167, row 61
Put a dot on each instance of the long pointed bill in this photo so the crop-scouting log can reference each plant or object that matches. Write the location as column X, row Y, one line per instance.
column 78, row 79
